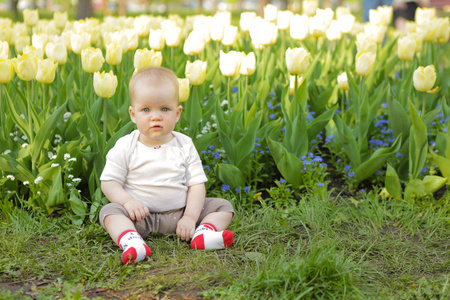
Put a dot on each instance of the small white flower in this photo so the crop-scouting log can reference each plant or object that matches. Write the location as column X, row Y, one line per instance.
column 53, row 157
column 66, row 156
column 224, row 102
column 73, row 159
column 38, row 192
column 39, row 179
column 26, row 182
column 15, row 139
column 69, row 184
column 54, row 165
column 76, row 180
column 11, row 177
column 22, row 116
column 24, row 145
column 70, row 176
column 24, row 137
column 7, row 151
column 11, row 134
column 67, row 116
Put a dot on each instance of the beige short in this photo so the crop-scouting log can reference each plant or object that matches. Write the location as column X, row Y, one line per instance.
column 165, row 222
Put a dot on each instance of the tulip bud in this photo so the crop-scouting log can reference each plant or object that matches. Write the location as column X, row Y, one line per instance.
column 284, row 19
column 299, row 29
column 92, row 60
column 196, row 72
column 194, row 44
column 406, row 48
column 424, row 78
column 20, row 43
column 133, row 39
column 270, row 13
column 156, row 39
column 60, row 19
column 6, row 70
column 292, row 83
column 418, row 38
column 4, row 50
column 309, row 7
column 172, row 36
column 364, row 43
column 217, row 30
column 183, row 89
column 424, row 14
column 343, row 82
column 145, row 58
column 320, row 22
column 443, row 30
column 297, row 60
column 263, row 32
column 230, row 35
column 6, row 34
column 333, row 32
column 57, row 52
column 364, row 63
column 118, row 38
column 346, row 23
column 246, row 20
column 26, row 66
column 30, row 17
column 428, row 29
column 142, row 25
column 105, row 84
column 46, row 70
column 80, row 42
column 113, row 54
column 248, row 64
column 382, row 16
column 230, row 63
column 39, row 41
column 376, row 32
column 38, row 52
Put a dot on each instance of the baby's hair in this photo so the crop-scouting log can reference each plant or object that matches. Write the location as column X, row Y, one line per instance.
column 154, row 76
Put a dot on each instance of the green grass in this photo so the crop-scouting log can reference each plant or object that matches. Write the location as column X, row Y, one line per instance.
column 321, row 248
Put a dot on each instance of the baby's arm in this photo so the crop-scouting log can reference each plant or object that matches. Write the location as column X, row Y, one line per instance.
column 194, row 204
column 115, row 193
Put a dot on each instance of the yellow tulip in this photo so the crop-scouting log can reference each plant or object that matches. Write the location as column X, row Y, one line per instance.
column 4, row 50
column 46, row 70
column 142, row 25
column 310, row 7
column 297, row 60
column 364, row 43
column 217, row 30
column 230, row 35
column 172, row 36
column 6, row 70
column 382, row 16
column 156, row 39
column 248, row 64
column 79, row 42
column 60, row 19
column 194, row 44
column 6, row 33
column 105, row 84
column 333, row 32
column 263, row 32
column 428, row 29
column 133, row 39
column 364, row 63
column 183, row 89
column 424, row 14
column 270, row 13
column 20, row 43
column 319, row 23
column 406, row 48
column 424, row 78
column 230, row 63
column 92, row 60
column 196, row 71
column 57, row 51
column 113, row 54
column 145, row 58
column 246, row 20
column 299, row 29
column 284, row 19
column 26, row 66
column 346, row 23
column 39, row 41
column 443, row 30
column 343, row 82
column 292, row 83
column 39, row 52
column 118, row 38
column 376, row 32
column 30, row 17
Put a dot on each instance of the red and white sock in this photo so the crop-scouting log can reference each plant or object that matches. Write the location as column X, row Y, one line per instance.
column 133, row 246
column 206, row 237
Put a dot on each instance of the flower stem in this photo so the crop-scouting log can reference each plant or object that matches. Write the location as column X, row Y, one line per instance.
column 229, row 93
column 423, row 104
column 105, row 127
column 295, row 87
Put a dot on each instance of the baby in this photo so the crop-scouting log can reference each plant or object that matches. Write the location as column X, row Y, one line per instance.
column 154, row 177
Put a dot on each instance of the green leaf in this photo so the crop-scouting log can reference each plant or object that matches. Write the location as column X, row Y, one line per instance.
column 392, row 182
column 317, row 125
column 376, row 161
column 21, row 123
column 205, row 140
column 399, row 120
column 51, row 188
column 13, row 167
column 231, row 175
column 433, row 183
column 443, row 164
column 289, row 165
column 123, row 131
column 247, row 143
column 418, row 146
column 348, row 141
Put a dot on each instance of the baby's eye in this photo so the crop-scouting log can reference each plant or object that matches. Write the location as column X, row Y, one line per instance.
column 165, row 109
column 146, row 110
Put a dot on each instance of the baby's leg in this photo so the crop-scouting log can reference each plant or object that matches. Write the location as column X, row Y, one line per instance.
column 215, row 218
column 123, row 231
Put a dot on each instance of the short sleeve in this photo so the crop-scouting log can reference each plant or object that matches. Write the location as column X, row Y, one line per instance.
column 194, row 168
column 116, row 168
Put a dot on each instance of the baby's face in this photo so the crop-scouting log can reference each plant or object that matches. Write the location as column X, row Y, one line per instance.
column 155, row 111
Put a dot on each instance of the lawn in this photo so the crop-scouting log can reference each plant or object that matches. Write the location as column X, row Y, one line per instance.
column 324, row 247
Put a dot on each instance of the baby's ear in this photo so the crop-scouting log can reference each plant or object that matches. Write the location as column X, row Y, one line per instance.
column 132, row 116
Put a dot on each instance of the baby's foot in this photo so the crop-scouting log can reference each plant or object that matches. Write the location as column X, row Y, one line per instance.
column 134, row 247
column 207, row 237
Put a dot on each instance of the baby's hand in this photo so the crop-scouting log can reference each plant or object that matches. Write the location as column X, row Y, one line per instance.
column 137, row 210
column 186, row 228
